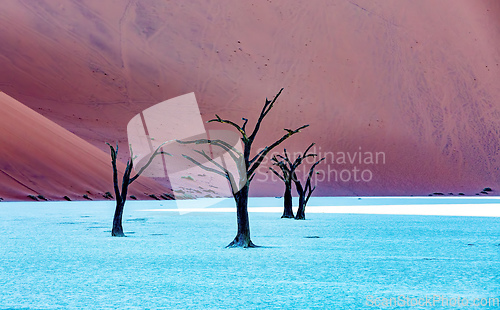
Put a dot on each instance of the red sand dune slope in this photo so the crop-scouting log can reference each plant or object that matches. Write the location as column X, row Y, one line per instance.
column 417, row 80
column 40, row 157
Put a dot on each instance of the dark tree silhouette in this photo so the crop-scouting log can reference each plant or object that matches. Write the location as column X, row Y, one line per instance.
column 121, row 196
column 304, row 191
column 287, row 176
column 246, row 166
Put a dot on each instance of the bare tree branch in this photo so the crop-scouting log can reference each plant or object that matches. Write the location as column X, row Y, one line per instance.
column 282, row 164
column 115, row 171
column 238, row 158
column 308, row 188
column 279, row 175
column 301, row 158
column 155, row 153
column 202, row 153
column 286, row 156
column 257, row 156
column 267, row 107
column 250, row 178
column 307, row 150
column 267, row 149
column 244, row 124
column 220, row 143
column 225, row 121
column 204, row 167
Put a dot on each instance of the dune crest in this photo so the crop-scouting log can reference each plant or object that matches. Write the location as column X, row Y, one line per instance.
column 40, row 157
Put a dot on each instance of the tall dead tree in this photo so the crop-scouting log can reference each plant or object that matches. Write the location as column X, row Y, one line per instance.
column 121, row 196
column 288, row 168
column 304, row 191
column 247, row 166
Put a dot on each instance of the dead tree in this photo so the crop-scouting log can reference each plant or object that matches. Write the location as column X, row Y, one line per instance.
column 287, row 168
column 121, row 196
column 286, row 177
column 304, row 191
column 246, row 166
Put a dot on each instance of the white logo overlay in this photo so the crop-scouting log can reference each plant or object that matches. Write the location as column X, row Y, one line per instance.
column 189, row 153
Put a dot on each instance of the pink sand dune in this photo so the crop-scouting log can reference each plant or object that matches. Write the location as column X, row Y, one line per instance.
column 417, row 80
column 40, row 157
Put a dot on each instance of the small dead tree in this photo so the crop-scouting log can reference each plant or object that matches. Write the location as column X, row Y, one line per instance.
column 246, row 165
column 304, row 191
column 121, row 196
column 287, row 175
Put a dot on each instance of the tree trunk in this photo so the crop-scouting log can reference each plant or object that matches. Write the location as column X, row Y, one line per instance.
column 117, row 230
column 288, row 211
column 242, row 238
column 301, row 212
